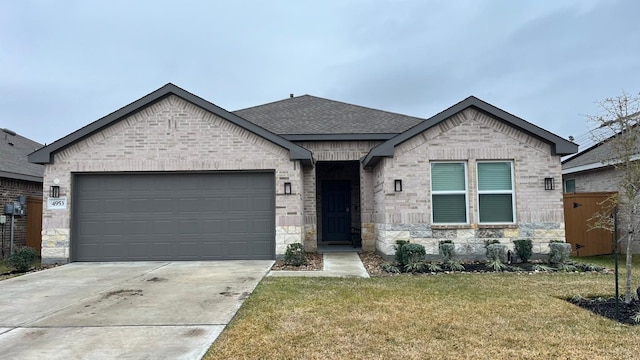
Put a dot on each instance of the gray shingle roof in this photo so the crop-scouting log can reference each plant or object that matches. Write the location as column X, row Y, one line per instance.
column 595, row 154
column 13, row 157
column 313, row 115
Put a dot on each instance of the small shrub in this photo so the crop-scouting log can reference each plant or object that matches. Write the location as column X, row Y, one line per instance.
column 636, row 318
column 567, row 267
column 447, row 250
column 540, row 267
column 559, row 253
column 22, row 259
column 295, row 255
column 390, row 268
column 524, row 249
column 399, row 253
column 589, row 267
column 415, row 267
column 408, row 253
column 453, row 265
column 497, row 255
column 434, row 267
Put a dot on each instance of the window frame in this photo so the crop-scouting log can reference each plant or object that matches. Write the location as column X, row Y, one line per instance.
column 450, row 192
column 564, row 186
column 511, row 192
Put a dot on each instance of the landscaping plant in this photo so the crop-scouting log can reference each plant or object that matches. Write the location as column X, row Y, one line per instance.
column 497, row 255
column 524, row 249
column 447, row 250
column 22, row 259
column 559, row 254
column 295, row 255
column 410, row 257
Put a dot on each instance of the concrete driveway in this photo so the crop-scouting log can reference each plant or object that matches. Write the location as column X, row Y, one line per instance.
column 139, row 310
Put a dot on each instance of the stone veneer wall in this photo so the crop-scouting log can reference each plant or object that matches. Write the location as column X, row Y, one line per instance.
column 172, row 135
column 337, row 151
column 467, row 136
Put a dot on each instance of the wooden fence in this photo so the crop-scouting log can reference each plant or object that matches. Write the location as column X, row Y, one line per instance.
column 578, row 209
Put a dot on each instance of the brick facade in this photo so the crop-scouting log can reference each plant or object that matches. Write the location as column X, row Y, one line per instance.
column 172, row 135
column 469, row 136
column 9, row 191
column 175, row 135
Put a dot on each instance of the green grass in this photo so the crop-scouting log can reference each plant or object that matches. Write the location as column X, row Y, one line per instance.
column 454, row 316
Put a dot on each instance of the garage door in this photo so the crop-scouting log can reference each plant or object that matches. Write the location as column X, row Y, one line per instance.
column 173, row 216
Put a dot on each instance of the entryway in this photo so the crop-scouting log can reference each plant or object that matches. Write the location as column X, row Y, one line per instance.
column 338, row 203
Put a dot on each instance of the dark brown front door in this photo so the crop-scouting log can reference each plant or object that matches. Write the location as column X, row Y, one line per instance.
column 336, row 215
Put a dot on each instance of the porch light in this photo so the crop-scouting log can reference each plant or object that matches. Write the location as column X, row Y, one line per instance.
column 548, row 183
column 54, row 191
column 397, row 185
column 287, row 188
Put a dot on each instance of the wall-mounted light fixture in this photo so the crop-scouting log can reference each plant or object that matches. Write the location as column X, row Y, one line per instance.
column 54, row 191
column 397, row 185
column 287, row 188
column 548, row 183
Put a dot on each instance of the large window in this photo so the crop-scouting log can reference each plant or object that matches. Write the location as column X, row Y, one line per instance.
column 449, row 192
column 495, row 192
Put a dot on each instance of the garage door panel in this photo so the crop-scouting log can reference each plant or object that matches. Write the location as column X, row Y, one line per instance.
column 171, row 216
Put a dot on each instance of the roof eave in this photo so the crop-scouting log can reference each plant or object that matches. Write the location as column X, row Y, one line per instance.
column 559, row 146
column 45, row 154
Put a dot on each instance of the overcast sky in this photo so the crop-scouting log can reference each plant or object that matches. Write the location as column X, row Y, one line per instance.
column 64, row 64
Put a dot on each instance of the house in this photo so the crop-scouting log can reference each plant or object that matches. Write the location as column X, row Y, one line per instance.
column 20, row 177
column 589, row 172
column 172, row 176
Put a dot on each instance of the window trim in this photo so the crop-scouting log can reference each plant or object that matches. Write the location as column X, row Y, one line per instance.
column 564, row 186
column 511, row 192
column 454, row 192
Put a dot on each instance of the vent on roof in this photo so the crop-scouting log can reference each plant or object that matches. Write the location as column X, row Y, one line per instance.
column 291, row 96
column 12, row 133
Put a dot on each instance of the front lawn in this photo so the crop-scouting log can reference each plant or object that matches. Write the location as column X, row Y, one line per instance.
column 446, row 316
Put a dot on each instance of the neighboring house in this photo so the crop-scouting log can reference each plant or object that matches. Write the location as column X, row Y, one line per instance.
column 174, row 177
column 19, row 177
column 590, row 171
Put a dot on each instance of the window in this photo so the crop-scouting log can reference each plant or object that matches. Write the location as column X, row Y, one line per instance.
column 495, row 192
column 570, row 185
column 449, row 192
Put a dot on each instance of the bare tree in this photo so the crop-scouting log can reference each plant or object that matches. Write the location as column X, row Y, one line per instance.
column 618, row 130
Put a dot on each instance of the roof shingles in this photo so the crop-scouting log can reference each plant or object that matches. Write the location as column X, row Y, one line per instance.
column 13, row 157
column 312, row 115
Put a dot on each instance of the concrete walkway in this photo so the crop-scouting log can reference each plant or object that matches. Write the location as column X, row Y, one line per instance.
column 338, row 264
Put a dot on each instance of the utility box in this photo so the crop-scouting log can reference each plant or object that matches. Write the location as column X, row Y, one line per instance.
column 16, row 209
column 3, row 219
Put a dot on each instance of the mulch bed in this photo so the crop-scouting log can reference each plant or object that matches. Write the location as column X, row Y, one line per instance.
column 314, row 263
column 606, row 306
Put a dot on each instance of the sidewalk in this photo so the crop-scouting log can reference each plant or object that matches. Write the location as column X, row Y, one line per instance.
column 339, row 264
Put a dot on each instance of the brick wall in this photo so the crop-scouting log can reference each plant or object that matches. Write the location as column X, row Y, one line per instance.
column 173, row 135
column 9, row 191
column 468, row 136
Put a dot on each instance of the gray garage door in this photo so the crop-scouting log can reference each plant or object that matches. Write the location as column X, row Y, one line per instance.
column 173, row 216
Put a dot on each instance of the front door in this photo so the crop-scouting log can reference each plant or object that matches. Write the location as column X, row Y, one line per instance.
column 336, row 210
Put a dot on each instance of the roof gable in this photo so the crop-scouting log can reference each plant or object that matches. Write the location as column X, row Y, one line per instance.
column 14, row 163
column 45, row 154
column 559, row 146
column 313, row 116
